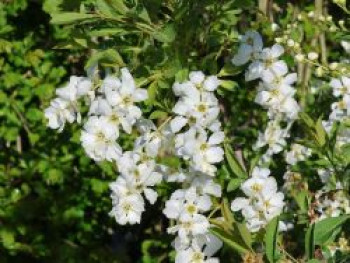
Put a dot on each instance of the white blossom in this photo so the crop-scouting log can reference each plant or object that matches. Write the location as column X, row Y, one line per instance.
column 99, row 139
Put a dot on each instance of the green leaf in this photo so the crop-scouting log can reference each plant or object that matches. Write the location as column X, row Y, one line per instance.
column 166, row 34
column 271, row 239
column 109, row 57
column 307, row 120
column 70, row 18
column 301, row 197
column 229, row 70
column 234, row 184
column 107, row 32
column 105, row 8
column 310, row 241
column 320, row 132
column 234, row 164
column 327, row 229
column 118, row 6
column 228, row 84
column 228, row 240
column 227, row 214
column 245, row 234
column 158, row 115
column 7, row 239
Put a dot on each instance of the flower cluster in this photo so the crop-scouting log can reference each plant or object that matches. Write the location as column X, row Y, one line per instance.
column 193, row 134
column 263, row 201
column 198, row 137
column 331, row 204
column 341, row 108
column 64, row 108
column 297, row 153
column 275, row 91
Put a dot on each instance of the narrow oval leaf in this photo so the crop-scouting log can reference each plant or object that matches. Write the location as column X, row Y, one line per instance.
column 327, row 229
column 310, row 241
column 270, row 239
column 234, row 164
column 228, row 240
column 70, row 18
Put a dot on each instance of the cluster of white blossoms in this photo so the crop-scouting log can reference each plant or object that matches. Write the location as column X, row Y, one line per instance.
column 64, row 108
column 198, row 139
column 297, row 153
column 276, row 94
column 263, row 201
column 331, row 204
column 275, row 91
column 194, row 134
column 341, row 108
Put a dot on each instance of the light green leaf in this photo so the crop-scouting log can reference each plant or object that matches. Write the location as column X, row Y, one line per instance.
column 228, row 240
column 310, row 242
column 234, row 184
column 245, row 234
column 158, row 115
column 234, row 164
column 327, row 229
column 229, row 70
column 166, row 34
column 70, row 18
column 228, row 84
column 109, row 57
column 271, row 239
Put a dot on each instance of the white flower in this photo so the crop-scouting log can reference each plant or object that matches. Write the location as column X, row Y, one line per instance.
column 99, row 139
column 205, row 246
column 271, row 204
column 203, row 151
column 128, row 209
column 263, row 201
column 199, row 110
column 60, row 112
column 141, row 177
column 151, row 139
column 268, row 63
column 297, row 153
column 189, row 226
column 250, row 48
column 341, row 86
column 277, row 99
column 115, row 115
column 346, row 46
column 340, row 109
column 76, row 88
column 184, row 203
column 125, row 95
column 273, row 137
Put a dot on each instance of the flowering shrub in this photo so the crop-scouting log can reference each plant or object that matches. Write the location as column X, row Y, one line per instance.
column 240, row 139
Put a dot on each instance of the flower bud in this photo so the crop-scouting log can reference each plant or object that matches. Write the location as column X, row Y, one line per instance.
column 319, row 72
column 312, row 56
column 278, row 40
column 274, row 27
column 290, row 43
column 333, row 28
column 333, row 66
column 300, row 57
